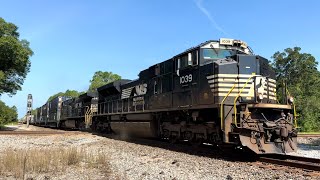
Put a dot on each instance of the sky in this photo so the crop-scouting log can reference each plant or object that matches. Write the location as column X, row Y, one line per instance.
column 73, row 39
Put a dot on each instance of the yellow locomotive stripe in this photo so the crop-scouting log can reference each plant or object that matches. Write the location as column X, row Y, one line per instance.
column 227, row 89
column 242, row 95
column 228, row 85
column 244, row 91
column 233, row 80
column 220, row 84
column 271, row 89
column 272, row 80
column 229, row 75
column 235, row 76
column 266, row 96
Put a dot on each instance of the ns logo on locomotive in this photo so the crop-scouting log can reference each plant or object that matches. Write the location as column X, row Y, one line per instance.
column 218, row 92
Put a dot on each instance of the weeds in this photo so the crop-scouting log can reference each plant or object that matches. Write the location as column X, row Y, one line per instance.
column 20, row 162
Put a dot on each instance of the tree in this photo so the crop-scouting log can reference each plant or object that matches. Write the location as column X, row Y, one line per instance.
column 34, row 112
column 72, row 93
column 68, row 93
column 14, row 57
column 299, row 71
column 102, row 78
column 7, row 114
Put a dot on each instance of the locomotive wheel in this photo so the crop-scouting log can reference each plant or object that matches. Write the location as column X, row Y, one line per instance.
column 198, row 140
column 174, row 137
column 188, row 135
column 197, row 143
column 165, row 134
column 81, row 126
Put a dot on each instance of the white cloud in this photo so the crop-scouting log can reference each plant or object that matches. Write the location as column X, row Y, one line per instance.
column 210, row 17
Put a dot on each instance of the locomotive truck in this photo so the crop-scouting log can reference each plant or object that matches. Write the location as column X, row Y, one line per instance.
column 218, row 92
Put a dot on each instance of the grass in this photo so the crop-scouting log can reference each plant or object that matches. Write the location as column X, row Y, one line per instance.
column 12, row 123
column 3, row 125
column 18, row 163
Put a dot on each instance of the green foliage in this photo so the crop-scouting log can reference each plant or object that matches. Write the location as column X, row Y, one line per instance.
column 14, row 58
column 69, row 93
column 7, row 114
column 55, row 95
column 34, row 112
column 299, row 71
column 102, row 78
column 72, row 93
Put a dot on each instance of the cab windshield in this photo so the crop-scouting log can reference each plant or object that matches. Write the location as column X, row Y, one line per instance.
column 215, row 53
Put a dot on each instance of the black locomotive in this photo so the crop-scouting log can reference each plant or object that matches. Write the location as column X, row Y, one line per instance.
column 218, row 92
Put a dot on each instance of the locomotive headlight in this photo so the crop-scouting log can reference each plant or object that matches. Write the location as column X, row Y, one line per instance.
column 290, row 99
column 260, row 96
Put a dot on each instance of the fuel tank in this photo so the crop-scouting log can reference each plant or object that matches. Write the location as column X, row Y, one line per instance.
column 135, row 125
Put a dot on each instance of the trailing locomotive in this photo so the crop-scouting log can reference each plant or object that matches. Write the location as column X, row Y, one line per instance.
column 49, row 114
column 218, row 92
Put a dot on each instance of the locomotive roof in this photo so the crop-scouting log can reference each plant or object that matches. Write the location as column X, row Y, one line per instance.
column 150, row 71
column 88, row 95
column 115, row 84
column 196, row 47
column 112, row 88
column 222, row 41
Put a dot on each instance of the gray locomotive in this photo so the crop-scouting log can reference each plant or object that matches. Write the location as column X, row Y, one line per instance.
column 218, row 92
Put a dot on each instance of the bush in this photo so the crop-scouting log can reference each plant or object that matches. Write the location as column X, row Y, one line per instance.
column 7, row 114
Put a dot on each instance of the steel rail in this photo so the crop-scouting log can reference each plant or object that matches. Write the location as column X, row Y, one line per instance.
column 292, row 161
column 308, row 135
column 30, row 132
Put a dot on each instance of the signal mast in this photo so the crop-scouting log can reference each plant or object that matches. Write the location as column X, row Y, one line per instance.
column 29, row 109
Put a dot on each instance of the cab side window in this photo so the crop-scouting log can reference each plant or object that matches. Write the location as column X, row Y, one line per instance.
column 194, row 58
column 189, row 59
column 183, row 61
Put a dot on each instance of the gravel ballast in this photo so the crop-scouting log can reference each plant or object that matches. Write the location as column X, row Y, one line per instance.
column 308, row 147
column 130, row 160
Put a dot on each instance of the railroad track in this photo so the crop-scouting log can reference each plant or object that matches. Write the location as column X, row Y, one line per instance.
column 309, row 135
column 32, row 132
column 292, row 161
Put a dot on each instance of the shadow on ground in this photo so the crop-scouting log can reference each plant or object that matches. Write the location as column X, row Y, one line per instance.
column 9, row 128
column 216, row 152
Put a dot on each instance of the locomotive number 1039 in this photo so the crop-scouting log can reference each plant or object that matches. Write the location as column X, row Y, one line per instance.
column 186, row 79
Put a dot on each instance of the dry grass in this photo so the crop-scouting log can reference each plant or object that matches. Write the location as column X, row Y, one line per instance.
column 18, row 163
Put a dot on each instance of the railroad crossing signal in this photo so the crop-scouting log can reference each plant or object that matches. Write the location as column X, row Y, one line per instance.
column 29, row 108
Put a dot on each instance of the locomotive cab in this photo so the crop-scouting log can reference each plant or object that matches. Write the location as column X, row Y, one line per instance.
column 244, row 85
column 225, row 79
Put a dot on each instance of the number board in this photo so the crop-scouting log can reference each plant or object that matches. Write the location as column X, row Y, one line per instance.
column 186, row 79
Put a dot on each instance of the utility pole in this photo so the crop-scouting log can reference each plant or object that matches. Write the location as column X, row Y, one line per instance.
column 29, row 109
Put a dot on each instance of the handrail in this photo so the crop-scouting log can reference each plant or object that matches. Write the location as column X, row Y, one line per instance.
column 236, row 98
column 221, row 106
column 294, row 110
column 87, row 116
column 275, row 94
column 295, row 115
